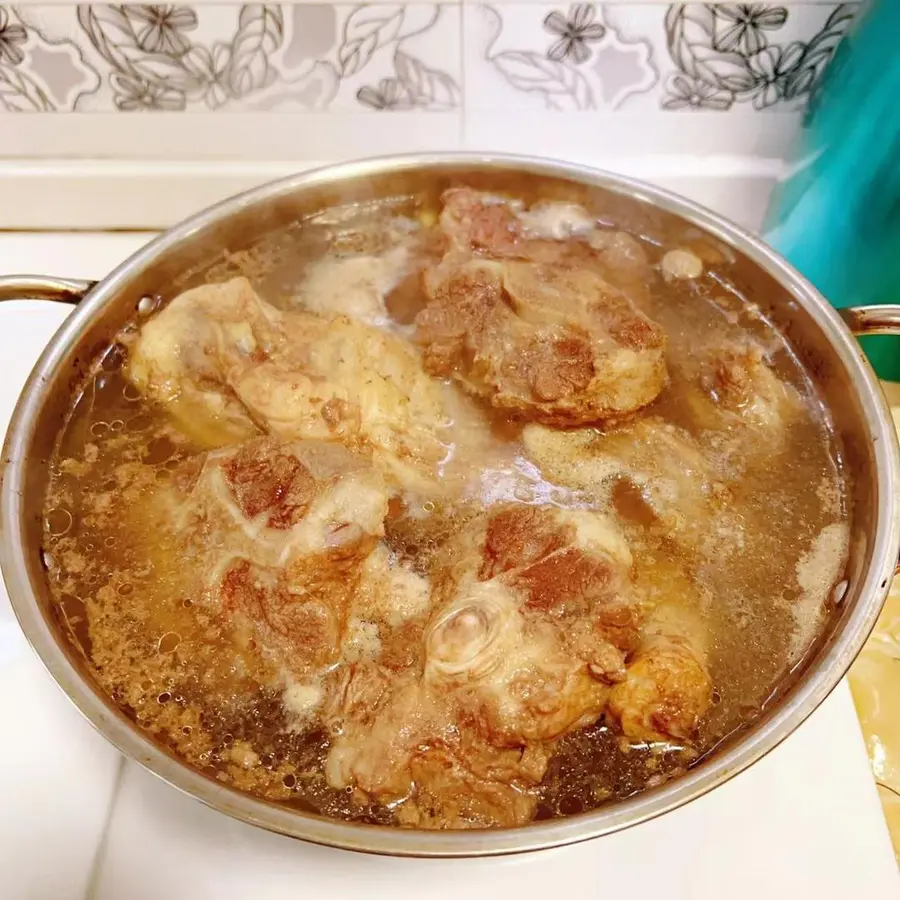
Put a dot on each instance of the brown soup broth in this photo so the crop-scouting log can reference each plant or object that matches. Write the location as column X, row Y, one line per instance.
column 172, row 665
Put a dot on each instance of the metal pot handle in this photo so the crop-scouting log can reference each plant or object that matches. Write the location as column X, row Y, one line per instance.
column 864, row 320
column 43, row 287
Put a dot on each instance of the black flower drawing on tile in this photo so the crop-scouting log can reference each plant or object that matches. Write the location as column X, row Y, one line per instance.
column 576, row 32
column 134, row 94
column 742, row 27
column 389, row 94
column 162, row 58
column 154, row 64
column 558, row 76
column 20, row 89
column 772, row 67
column 690, row 93
column 12, row 38
column 210, row 66
column 163, row 28
column 414, row 84
column 729, row 53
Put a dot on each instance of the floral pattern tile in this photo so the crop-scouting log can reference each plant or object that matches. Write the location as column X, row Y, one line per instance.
column 209, row 58
column 648, row 57
column 731, row 54
column 428, row 57
column 580, row 57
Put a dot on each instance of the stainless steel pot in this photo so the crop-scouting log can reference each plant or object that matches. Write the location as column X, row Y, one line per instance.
column 821, row 337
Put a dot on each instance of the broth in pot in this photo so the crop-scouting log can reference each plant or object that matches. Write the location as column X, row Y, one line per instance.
column 447, row 515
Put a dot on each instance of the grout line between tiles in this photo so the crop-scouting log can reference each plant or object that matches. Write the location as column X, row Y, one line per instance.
column 93, row 880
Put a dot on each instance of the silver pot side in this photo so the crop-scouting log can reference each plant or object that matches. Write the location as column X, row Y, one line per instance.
column 178, row 259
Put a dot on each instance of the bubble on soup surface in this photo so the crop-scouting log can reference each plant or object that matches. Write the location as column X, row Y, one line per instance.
column 59, row 521
column 169, row 641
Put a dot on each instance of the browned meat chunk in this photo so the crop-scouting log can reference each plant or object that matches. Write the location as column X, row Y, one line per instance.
column 542, row 336
column 229, row 366
column 287, row 531
column 512, row 661
column 668, row 685
column 736, row 388
column 400, row 741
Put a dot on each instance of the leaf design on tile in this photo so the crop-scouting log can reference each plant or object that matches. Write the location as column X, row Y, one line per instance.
column 162, row 57
column 690, row 34
column 413, row 84
column 111, row 32
column 19, row 92
column 425, row 86
column 367, row 28
column 389, row 93
column 562, row 86
column 727, row 54
column 214, row 73
column 38, row 74
column 114, row 36
column 260, row 33
column 819, row 51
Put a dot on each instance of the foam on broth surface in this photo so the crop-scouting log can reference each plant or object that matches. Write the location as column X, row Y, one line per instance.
column 764, row 567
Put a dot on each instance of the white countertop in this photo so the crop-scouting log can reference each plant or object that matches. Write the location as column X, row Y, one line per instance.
column 76, row 823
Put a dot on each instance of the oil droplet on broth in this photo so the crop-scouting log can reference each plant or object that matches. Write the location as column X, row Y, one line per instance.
column 58, row 521
column 169, row 641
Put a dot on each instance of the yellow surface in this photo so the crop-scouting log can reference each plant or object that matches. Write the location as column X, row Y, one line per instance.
column 875, row 682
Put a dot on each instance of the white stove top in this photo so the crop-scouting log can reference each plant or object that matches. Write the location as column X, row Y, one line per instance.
column 79, row 823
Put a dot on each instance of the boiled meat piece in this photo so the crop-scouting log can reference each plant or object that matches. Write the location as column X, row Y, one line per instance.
column 737, row 389
column 496, row 226
column 398, row 740
column 574, row 568
column 228, row 365
column 667, row 688
column 187, row 355
column 545, row 342
column 533, row 326
column 281, row 533
column 656, row 468
column 511, row 673
column 536, row 619
column 534, row 615
column 355, row 384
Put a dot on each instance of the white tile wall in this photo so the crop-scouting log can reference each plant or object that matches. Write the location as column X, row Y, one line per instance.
column 272, row 89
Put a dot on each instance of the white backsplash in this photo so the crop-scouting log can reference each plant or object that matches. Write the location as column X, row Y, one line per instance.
column 135, row 116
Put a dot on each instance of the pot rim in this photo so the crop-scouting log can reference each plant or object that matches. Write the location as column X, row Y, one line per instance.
column 813, row 687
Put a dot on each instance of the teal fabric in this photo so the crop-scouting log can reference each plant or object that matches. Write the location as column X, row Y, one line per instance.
column 837, row 216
